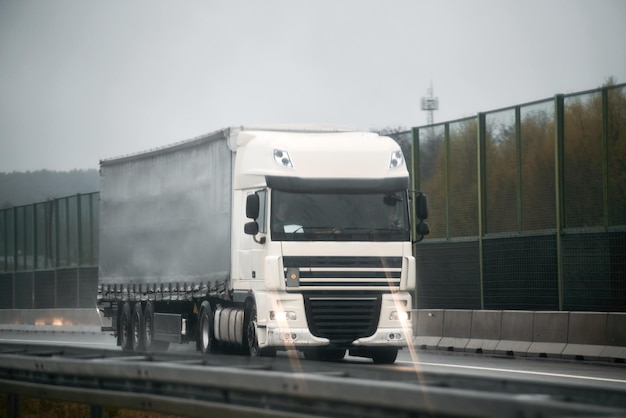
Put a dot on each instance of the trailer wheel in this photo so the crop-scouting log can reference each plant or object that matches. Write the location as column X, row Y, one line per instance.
column 206, row 342
column 148, row 330
column 124, row 329
column 136, row 335
column 148, row 325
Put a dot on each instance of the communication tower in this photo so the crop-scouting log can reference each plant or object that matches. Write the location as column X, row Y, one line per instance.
column 430, row 104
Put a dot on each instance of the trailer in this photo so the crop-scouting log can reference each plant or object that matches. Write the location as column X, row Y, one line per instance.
column 257, row 240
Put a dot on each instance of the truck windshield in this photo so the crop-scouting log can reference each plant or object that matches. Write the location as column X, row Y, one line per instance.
column 339, row 217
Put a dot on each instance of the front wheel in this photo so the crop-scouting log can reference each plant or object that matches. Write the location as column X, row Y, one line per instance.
column 385, row 356
column 252, row 338
column 325, row 354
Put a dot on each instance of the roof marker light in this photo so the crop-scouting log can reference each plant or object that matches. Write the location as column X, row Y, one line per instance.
column 397, row 158
column 282, row 158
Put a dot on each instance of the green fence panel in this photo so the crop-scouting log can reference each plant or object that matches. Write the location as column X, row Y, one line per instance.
column 501, row 173
column 583, row 155
column 616, row 155
column 538, row 198
column 462, row 179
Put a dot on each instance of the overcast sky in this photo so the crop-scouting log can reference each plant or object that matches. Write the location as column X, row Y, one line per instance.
column 83, row 80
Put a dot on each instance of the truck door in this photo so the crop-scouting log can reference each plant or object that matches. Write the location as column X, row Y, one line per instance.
column 252, row 250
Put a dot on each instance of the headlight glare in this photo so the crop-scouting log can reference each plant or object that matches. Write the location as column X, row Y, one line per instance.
column 283, row 316
column 400, row 316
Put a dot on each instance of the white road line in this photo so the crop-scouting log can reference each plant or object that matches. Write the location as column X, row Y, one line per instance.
column 493, row 369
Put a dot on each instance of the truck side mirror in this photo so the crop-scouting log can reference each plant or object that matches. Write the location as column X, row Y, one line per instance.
column 252, row 207
column 421, row 206
column 251, row 228
column 423, row 228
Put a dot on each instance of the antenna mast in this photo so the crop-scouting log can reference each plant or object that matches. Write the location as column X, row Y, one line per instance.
column 430, row 104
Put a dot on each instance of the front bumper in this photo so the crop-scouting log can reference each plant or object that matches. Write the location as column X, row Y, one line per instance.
column 292, row 338
column 298, row 338
column 386, row 337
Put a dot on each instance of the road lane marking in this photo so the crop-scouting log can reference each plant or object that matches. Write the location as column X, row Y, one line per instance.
column 494, row 369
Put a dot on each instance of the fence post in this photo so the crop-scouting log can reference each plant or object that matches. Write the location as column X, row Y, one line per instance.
column 482, row 197
column 24, row 238
column 91, row 240
column 15, row 231
column 57, row 241
column 415, row 180
column 520, row 178
column 4, row 240
column 35, row 238
column 446, row 176
column 559, row 183
column 79, row 230
column 68, row 245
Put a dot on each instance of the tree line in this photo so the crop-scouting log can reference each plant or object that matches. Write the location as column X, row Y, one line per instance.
column 519, row 187
column 23, row 188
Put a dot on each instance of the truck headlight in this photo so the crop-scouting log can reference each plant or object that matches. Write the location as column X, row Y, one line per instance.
column 283, row 316
column 400, row 316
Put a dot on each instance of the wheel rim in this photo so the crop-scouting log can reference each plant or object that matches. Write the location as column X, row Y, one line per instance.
column 204, row 332
column 125, row 327
column 148, row 326
column 136, row 331
column 253, row 344
column 125, row 332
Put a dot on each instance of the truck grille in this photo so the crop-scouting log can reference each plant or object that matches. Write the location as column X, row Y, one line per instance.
column 346, row 272
column 342, row 319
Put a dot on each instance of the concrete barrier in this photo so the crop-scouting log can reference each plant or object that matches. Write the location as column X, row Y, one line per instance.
column 457, row 328
column 615, row 337
column 586, row 337
column 429, row 328
column 51, row 317
column 516, row 333
column 485, row 332
column 550, row 331
column 579, row 335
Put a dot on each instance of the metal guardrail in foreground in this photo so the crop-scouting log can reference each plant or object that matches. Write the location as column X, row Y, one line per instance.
column 192, row 386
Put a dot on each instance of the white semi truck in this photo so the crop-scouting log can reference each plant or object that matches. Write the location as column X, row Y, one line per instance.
column 260, row 240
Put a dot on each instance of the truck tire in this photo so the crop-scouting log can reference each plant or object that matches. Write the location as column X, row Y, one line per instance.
column 137, row 329
column 124, row 328
column 251, row 340
column 206, row 343
column 148, row 325
column 326, row 354
column 385, row 356
column 251, row 337
column 148, row 330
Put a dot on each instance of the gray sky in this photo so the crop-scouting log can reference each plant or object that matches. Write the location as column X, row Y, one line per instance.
column 83, row 80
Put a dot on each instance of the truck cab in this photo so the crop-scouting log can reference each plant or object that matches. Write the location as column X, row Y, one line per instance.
column 324, row 242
